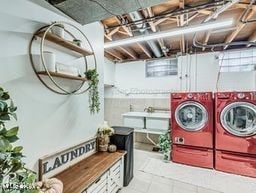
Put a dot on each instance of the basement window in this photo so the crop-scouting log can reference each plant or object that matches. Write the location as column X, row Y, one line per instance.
column 161, row 67
column 242, row 60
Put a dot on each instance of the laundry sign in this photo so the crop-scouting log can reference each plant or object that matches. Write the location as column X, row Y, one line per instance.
column 50, row 165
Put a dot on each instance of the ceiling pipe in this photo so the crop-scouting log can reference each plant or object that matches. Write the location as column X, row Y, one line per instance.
column 135, row 16
column 173, row 13
column 214, row 15
column 219, row 10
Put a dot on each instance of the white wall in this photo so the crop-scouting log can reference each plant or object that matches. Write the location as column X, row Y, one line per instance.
column 109, row 72
column 195, row 73
column 48, row 121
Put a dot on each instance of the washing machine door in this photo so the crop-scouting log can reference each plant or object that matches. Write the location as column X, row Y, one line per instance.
column 191, row 116
column 239, row 119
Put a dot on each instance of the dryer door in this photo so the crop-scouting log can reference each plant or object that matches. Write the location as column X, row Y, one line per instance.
column 239, row 119
column 191, row 116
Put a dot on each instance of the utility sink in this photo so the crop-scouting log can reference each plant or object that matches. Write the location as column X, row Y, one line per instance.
column 143, row 120
column 150, row 115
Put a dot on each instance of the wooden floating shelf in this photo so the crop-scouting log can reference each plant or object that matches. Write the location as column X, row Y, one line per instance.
column 60, row 75
column 64, row 43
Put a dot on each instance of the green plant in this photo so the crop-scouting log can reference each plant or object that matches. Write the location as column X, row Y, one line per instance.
column 93, row 81
column 164, row 144
column 12, row 168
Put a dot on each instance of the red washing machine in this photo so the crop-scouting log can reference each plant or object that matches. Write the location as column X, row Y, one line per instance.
column 236, row 132
column 192, row 128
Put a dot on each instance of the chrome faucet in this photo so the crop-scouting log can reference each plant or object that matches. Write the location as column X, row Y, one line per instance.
column 131, row 108
column 149, row 109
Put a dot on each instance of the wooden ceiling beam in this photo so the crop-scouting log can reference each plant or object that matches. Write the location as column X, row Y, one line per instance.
column 145, row 50
column 192, row 17
column 243, row 6
column 108, row 37
column 125, row 28
column 114, row 54
column 204, row 11
column 206, row 38
column 154, row 28
column 182, row 23
column 223, row 30
column 106, row 31
column 129, row 52
column 252, row 38
column 111, row 33
column 161, row 21
column 239, row 27
column 149, row 13
column 110, row 57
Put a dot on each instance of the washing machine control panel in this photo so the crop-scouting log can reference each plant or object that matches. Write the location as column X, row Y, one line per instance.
column 237, row 95
column 204, row 96
column 179, row 140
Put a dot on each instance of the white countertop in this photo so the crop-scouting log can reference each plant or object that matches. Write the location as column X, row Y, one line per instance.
column 148, row 115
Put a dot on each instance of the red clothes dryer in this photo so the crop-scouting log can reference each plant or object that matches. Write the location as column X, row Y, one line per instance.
column 192, row 128
column 236, row 132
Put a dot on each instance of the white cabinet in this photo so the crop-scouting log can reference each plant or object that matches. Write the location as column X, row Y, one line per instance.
column 110, row 182
column 99, row 186
column 115, row 181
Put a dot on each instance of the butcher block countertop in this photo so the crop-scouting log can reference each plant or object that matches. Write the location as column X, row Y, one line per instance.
column 80, row 176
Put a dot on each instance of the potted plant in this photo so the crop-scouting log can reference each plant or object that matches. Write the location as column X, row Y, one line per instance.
column 93, row 81
column 165, row 144
column 12, row 168
column 104, row 132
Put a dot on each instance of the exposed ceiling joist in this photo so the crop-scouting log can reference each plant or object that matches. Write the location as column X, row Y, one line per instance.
column 243, row 6
column 161, row 20
column 223, row 30
column 115, row 54
column 181, row 23
column 154, row 28
column 239, row 27
column 252, row 38
column 111, row 33
column 150, row 14
column 145, row 50
column 129, row 52
column 205, row 12
column 206, row 38
column 125, row 28
column 110, row 57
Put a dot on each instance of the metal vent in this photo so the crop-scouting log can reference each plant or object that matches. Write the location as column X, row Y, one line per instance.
column 86, row 11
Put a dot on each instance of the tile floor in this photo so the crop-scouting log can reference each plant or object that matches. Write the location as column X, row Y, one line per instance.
column 148, row 183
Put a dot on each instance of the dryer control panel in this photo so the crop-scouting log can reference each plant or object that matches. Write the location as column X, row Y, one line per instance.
column 237, row 95
column 201, row 96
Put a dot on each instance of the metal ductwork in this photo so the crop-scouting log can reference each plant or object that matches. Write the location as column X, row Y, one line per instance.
column 87, row 11
column 135, row 16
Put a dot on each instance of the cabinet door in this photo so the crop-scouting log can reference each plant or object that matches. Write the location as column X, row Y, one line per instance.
column 115, row 179
column 100, row 186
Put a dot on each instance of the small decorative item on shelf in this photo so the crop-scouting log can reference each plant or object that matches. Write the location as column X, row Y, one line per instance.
column 67, row 69
column 93, row 81
column 104, row 132
column 112, row 148
column 58, row 30
column 77, row 42
column 50, row 61
column 165, row 144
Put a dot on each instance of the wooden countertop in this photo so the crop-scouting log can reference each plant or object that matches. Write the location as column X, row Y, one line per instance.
column 81, row 175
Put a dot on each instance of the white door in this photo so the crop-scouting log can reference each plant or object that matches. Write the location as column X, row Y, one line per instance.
column 239, row 119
